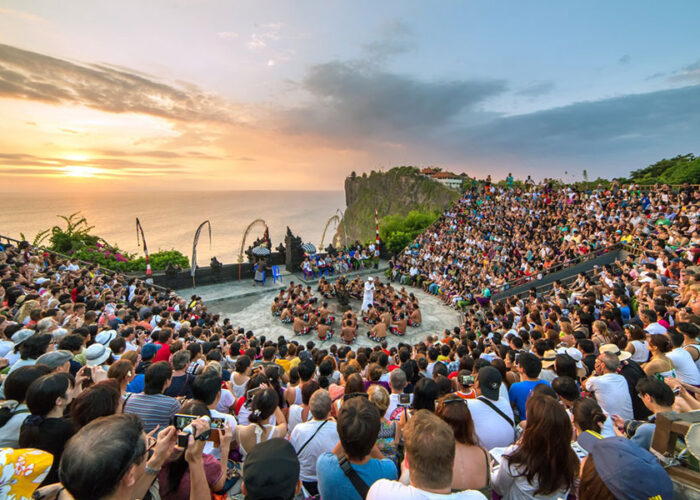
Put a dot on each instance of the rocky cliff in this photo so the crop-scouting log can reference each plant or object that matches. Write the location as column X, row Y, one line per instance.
column 395, row 192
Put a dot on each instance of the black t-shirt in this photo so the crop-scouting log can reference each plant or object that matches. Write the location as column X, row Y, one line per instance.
column 52, row 436
column 180, row 386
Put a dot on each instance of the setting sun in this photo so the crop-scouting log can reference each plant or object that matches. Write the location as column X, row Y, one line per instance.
column 80, row 171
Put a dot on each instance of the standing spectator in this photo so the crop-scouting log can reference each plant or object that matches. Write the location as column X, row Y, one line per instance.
column 610, row 388
column 152, row 406
column 430, row 454
column 358, row 427
column 491, row 412
column 313, row 438
column 542, row 465
column 529, row 367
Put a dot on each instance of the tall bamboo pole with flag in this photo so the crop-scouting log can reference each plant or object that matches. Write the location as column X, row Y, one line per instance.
column 141, row 238
column 193, row 263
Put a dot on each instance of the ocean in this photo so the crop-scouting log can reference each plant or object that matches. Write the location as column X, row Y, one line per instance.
column 170, row 219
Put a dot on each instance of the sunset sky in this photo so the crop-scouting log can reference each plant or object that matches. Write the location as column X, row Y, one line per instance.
column 196, row 94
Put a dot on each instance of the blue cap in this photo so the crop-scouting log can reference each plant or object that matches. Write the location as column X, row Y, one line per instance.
column 628, row 470
column 149, row 350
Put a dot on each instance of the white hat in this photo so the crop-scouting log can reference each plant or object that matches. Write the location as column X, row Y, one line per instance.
column 97, row 354
column 623, row 355
column 105, row 337
column 370, row 279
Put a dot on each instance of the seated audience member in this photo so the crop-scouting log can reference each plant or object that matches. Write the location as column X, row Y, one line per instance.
column 659, row 398
column 313, row 438
column 471, row 463
column 206, row 388
column 14, row 410
column 542, row 463
column 181, row 382
column 174, row 478
column 355, row 462
column 98, row 400
column 529, row 367
column 389, row 431
column 152, row 406
column 609, row 387
column 46, row 428
column 430, row 454
column 116, row 450
column 271, row 471
column 491, row 411
column 266, row 421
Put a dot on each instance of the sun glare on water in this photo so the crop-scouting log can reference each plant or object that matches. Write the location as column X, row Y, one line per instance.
column 80, row 171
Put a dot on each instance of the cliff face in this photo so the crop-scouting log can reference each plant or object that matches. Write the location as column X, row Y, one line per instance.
column 395, row 192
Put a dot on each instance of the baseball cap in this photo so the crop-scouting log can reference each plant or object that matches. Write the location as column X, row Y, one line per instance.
column 148, row 351
column 54, row 359
column 628, row 470
column 490, row 380
column 271, row 471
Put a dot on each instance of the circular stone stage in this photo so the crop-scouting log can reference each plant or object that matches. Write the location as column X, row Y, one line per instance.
column 253, row 313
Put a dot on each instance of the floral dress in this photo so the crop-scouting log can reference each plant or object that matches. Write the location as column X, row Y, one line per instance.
column 386, row 441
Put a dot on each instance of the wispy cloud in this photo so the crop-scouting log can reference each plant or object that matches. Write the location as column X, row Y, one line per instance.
column 689, row 73
column 267, row 33
column 33, row 76
column 536, row 89
column 18, row 14
column 115, row 168
column 227, row 35
column 624, row 59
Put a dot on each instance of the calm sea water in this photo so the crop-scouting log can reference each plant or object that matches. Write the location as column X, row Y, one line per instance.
column 170, row 220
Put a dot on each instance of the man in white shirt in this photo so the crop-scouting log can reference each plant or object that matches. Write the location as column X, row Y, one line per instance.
column 651, row 326
column 313, row 438
column 430, row 453
column 397, row 381
column 610, row 388
column 492, row 428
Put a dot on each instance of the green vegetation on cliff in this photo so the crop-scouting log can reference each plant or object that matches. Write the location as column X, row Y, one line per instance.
column 678, row 170
column 396, row 192
column 398, row 232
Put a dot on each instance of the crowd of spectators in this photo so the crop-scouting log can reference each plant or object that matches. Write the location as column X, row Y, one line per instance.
column 114, row 390
column 496, row 237
column 353, row 258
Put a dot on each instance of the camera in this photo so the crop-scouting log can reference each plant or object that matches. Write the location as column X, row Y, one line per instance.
column 404, row 399
column 466, row 380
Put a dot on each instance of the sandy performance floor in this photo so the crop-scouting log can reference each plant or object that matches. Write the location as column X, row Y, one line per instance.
column 253, row 313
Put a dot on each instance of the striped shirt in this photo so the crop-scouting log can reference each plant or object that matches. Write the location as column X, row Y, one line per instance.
column 153, row 409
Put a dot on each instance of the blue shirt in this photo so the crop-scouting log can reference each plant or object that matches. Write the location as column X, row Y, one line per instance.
column 334, row 484
column 520, row 391
column 137, row 384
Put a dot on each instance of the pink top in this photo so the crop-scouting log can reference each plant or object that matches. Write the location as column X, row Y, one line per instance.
column 212, row 469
